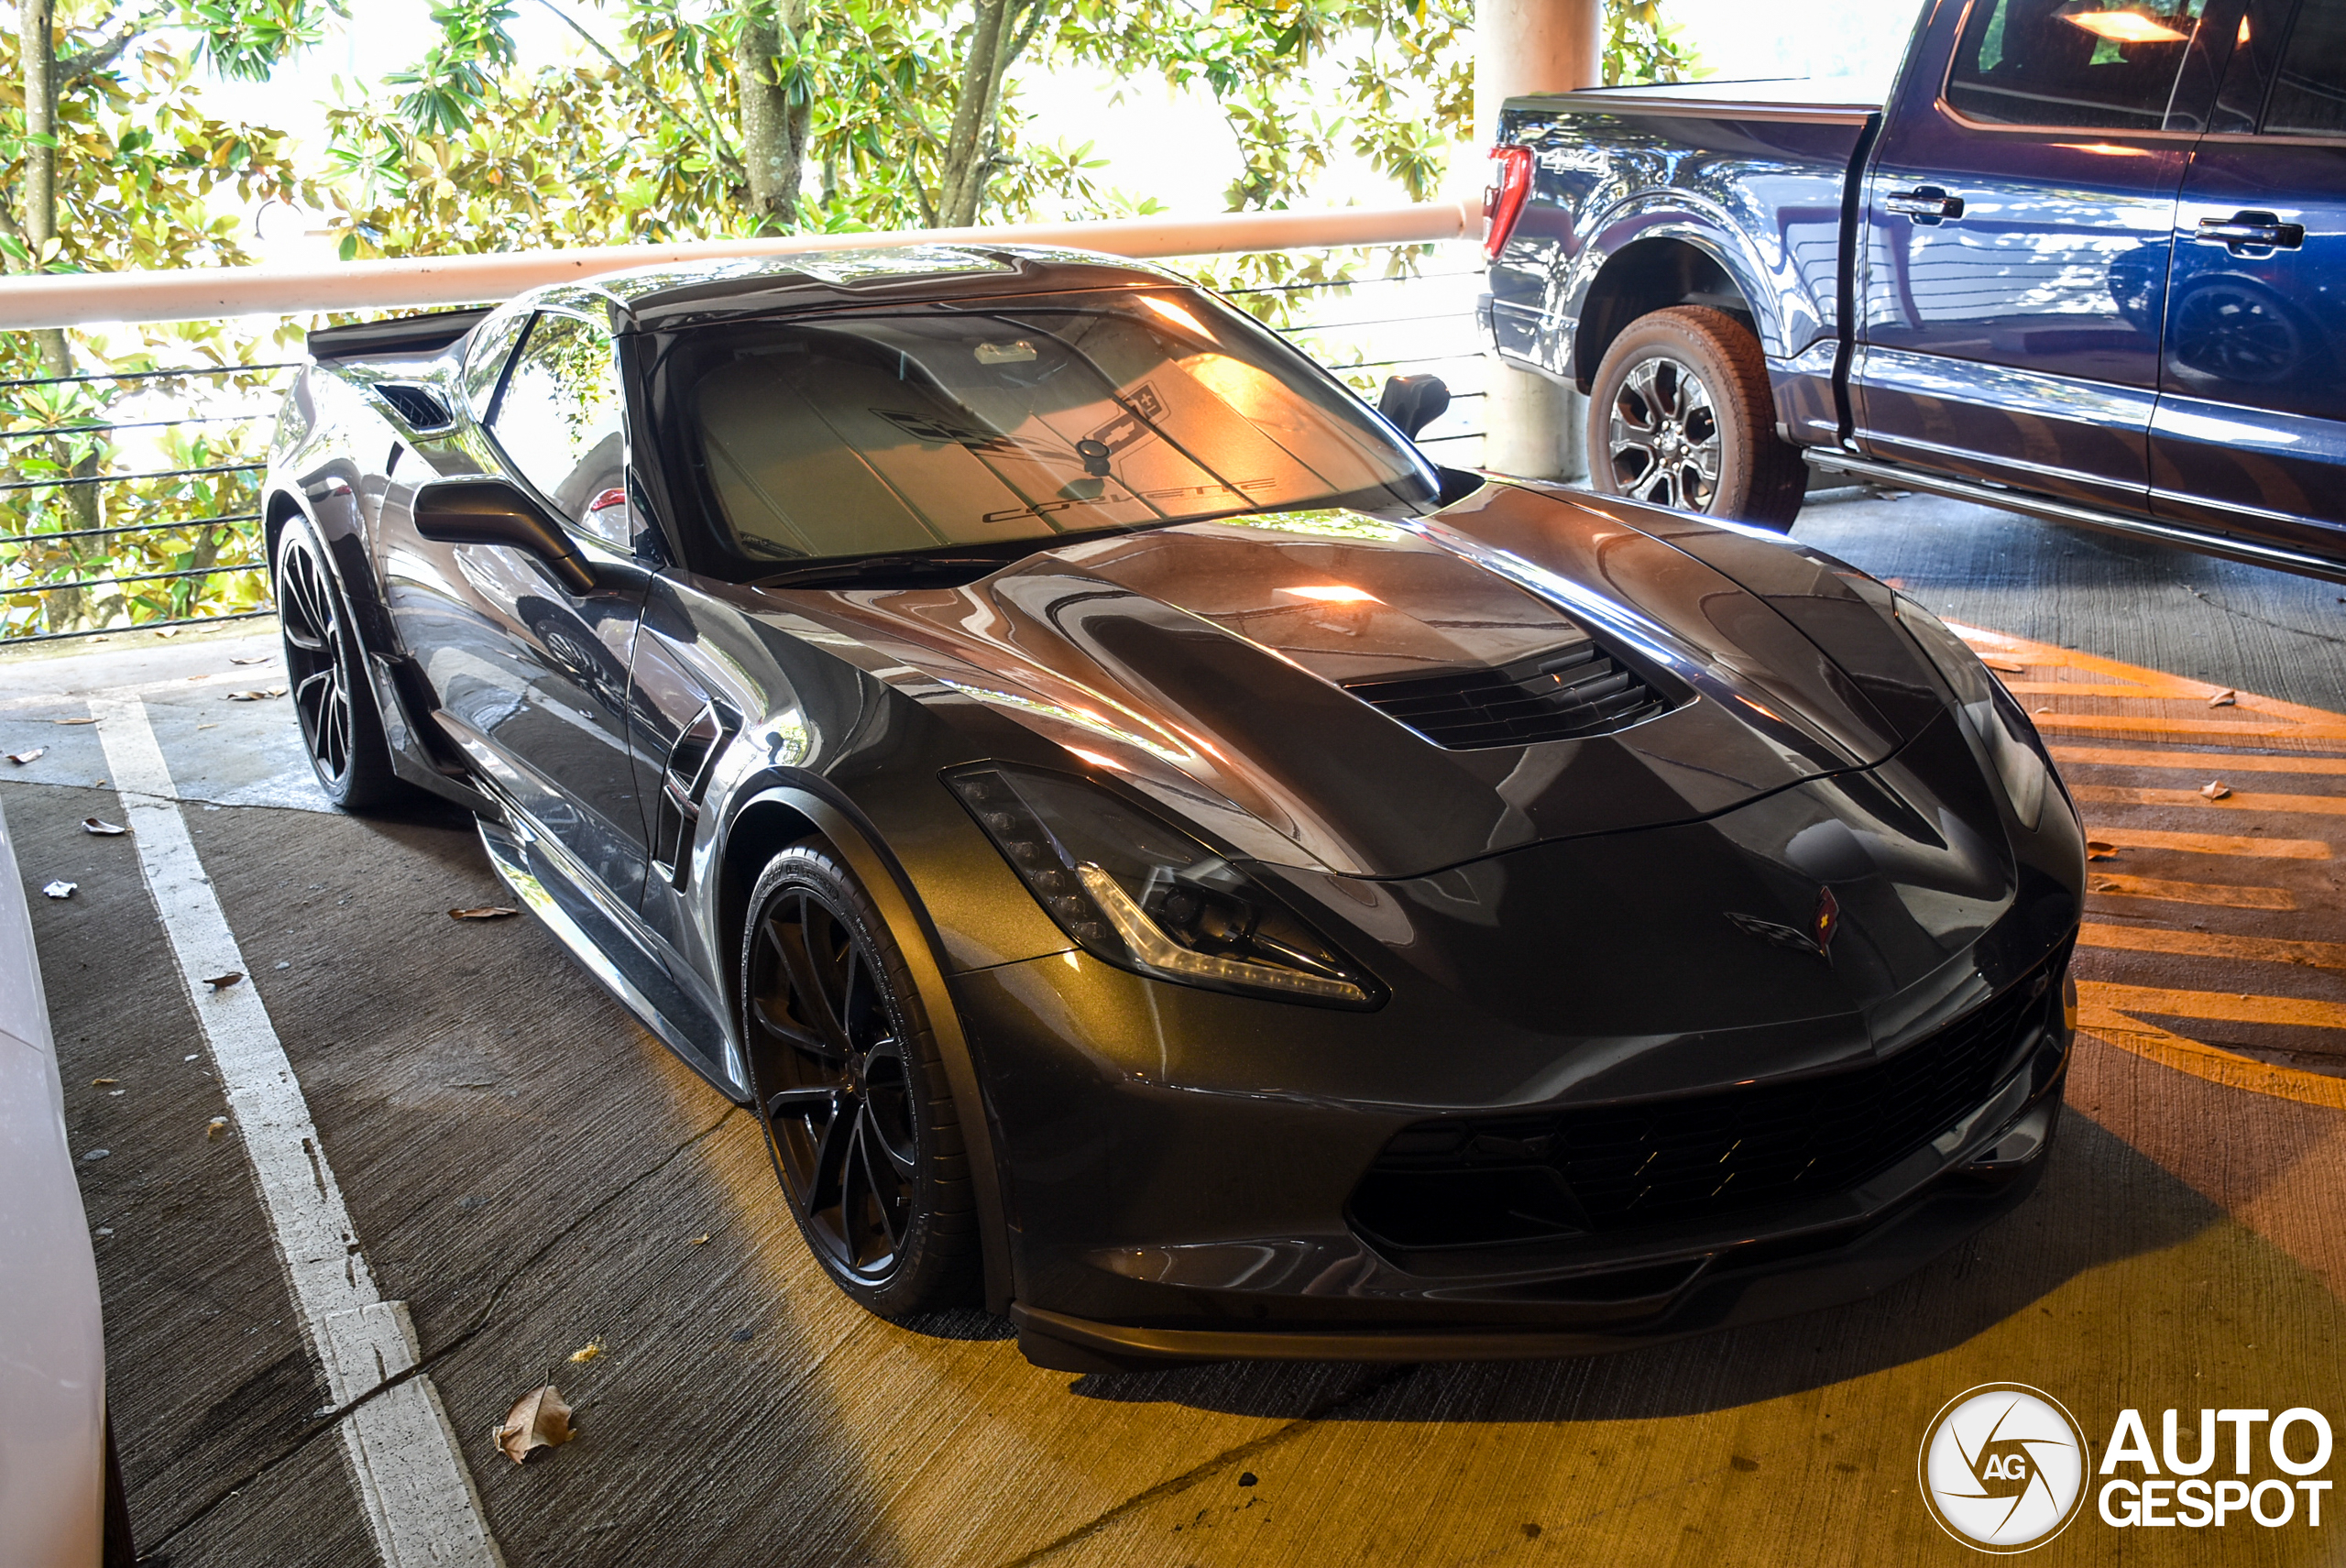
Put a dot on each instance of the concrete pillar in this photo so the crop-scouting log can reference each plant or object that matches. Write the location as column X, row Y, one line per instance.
column 1532, row 46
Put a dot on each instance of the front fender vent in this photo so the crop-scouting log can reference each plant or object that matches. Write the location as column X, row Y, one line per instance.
column 1557, row 695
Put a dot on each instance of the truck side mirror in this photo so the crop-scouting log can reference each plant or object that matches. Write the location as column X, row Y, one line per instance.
column 1413, row 402
column 492, row 511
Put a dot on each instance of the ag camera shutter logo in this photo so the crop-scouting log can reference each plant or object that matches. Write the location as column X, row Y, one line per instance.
column 2003, row 1468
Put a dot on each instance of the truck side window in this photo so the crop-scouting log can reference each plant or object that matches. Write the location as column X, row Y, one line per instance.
column 562, row 421
column 2107, row 64
column 2310, row 92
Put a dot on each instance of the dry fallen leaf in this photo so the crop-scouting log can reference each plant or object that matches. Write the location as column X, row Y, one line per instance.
column 2225, row 698
column 257, row 696
column 73, row 721
column 592, row 1350
column 167, row 631
column 486, row 911
column 2004, row 667
column 2214, row 789
column 537, row 1420
column 2100, row 850
column 104, row 1083
column 215, row 1127
column 105, row 830
column 2041, row 710
column 61, row 889
column 255, row 659
column 222, row 982
column 2106, row 885
column 21, row 757
column 700, row 1240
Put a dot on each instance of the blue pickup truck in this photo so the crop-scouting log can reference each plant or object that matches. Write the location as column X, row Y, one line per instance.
column 2085, row 259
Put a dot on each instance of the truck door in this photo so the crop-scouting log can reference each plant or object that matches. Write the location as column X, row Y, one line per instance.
column 2250, row 435
column 2019, row 216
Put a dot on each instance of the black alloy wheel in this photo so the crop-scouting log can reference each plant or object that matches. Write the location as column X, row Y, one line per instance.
column 857, row 1116
column 340, row 726
column 1681, row 415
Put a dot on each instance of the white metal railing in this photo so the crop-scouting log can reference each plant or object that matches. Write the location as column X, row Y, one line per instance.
column 156, row 542
column 71, row 299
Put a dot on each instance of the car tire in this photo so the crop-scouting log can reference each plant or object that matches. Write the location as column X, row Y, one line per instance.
column 859, row 1117
column 340, row 728
column 1681, row 415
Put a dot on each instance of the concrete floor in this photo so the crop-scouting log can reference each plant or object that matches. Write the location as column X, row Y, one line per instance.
column 532, row 1174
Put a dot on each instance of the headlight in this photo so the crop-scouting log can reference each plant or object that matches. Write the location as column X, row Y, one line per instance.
column 1986, row 708
column 1143, row 895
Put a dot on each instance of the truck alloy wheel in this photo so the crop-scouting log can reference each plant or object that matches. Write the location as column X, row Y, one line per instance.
column 1680, row 415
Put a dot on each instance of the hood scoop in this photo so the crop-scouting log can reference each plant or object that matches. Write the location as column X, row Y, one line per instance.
column 1561, row 694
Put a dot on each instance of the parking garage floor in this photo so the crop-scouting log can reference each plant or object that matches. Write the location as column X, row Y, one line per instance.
column 556, row 1199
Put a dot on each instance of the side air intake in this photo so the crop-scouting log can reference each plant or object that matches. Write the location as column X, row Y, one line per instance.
column 1557, row 695
column 421, row 408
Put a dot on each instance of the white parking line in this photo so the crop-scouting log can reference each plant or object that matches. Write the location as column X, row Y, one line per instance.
column 403, row 1457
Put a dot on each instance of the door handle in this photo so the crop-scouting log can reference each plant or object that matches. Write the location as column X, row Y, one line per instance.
column 1927, row 205
column 2245, row 231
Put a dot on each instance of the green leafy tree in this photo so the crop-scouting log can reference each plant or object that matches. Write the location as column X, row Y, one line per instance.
column 108, row 159
column 743, row 116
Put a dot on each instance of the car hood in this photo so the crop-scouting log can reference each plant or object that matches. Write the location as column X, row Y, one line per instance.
column 1209, row 665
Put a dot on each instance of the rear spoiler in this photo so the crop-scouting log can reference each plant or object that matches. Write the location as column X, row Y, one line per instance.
column 406, row 334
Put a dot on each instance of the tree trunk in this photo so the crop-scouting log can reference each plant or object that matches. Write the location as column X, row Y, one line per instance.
column 36, row 46
column 966, row 147
column 774, row 130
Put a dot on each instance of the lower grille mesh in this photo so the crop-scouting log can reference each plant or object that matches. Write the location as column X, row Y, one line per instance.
column 1556, row 696
column 1618, row 1168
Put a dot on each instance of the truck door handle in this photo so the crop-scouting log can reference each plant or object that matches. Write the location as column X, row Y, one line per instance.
column 2245, row 231
column 1927, row 205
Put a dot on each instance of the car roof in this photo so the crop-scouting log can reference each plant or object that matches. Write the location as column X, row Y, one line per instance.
column 664, row 297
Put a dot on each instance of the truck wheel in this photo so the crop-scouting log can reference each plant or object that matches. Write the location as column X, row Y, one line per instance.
column 1680, row 414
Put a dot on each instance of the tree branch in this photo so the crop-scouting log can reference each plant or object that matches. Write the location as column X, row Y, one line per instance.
column 710, row 141
column 106, row 51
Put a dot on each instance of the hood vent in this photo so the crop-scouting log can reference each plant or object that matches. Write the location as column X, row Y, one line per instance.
column 1557, row 695
column 422, row 409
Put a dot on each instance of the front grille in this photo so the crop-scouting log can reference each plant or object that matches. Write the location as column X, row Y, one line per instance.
column 1557, row 695
column 1693, row 1156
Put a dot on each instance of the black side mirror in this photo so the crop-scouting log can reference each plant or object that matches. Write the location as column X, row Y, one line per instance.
column 492, row 511
column 1413, row 402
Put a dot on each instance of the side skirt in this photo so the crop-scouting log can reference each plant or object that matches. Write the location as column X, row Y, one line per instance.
column 598, row 938
column 1901, row 477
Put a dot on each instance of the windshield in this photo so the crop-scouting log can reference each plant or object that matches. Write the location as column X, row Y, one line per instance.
column 1002, row 421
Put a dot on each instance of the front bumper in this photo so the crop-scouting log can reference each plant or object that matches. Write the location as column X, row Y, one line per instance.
column 1152, row 1222
column 1756, row 1281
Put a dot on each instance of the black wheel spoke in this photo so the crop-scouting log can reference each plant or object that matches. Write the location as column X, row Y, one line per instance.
column 830, row 1157
column 763, row 1002
column 835, row 1080
column 884, row 1191
column 799, row 1101
column 807, row 981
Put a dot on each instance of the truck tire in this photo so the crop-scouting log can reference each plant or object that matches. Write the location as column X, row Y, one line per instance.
column 1680, row 414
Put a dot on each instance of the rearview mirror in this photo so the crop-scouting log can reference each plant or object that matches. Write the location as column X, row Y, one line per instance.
column 1413, row 402
column 492, row 511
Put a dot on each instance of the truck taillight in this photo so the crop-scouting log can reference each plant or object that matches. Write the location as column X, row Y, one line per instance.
column 1503, row 198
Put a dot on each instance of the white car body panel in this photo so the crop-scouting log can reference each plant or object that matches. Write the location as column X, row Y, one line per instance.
column 53, row 1342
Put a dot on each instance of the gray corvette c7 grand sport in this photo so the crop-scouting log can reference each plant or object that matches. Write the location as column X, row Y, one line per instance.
column 1165, row 859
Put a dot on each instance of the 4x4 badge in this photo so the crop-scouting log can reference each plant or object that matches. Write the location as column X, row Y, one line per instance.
column 1817, row 938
